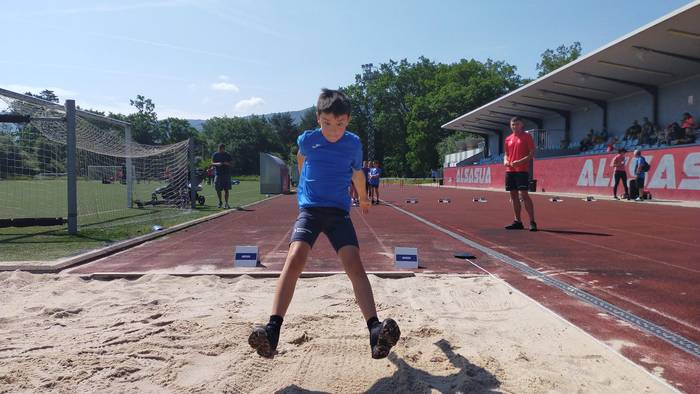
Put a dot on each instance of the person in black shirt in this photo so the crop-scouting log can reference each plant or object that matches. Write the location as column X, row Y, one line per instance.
column 221, row 161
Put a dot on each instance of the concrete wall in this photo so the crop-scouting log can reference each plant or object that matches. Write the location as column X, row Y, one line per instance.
column 622, row 111
column 553, row 122
column 582, row 121
column 625, row 110
column 673, row 100
column 493, row 145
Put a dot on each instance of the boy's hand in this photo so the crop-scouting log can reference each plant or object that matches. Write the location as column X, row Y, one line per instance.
column 364, row 205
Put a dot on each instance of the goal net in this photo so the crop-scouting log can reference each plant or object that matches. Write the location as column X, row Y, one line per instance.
column 114, row 175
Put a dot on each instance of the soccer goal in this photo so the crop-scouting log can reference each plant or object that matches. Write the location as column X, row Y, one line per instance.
column 62, row 165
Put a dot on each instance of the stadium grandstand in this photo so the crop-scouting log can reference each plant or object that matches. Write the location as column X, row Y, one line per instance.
column 641, row 91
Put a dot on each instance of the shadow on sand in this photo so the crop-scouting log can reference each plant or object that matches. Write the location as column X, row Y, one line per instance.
column 469, row 379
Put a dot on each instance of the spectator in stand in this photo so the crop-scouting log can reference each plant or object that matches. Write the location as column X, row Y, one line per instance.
column 603, row 136
column 669, row 133
column 688, row 122
column 611, row 144
column 688, row 138
column 633, row 131
column 619, row 164
column 656, row 134
column 687, row 132
column 587, row 141
column 645, row 133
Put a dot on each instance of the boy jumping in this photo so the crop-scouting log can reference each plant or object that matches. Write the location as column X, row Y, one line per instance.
column 328, row 159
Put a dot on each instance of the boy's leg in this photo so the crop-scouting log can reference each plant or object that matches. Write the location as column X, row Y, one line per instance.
column 264, row 339
column 383, row 335
column 293, row 266
column 350, row 257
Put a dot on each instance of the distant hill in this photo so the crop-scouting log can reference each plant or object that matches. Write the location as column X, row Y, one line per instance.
column 296, row 117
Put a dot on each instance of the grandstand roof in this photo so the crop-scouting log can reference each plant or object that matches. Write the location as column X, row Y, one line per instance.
column 664, row 51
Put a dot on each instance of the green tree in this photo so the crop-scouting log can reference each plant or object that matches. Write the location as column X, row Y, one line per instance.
column 245, row 138
column 553, row 59
column 144, row 123
column 172, row 130
column 45, row 94
column 284, row 126
column 308, row 120
column 407, row 103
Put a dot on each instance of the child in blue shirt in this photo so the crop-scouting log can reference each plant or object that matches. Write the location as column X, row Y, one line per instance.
column 374, row 176
column 329, row 158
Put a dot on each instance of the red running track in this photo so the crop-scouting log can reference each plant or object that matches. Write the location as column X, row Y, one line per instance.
column 639, row 256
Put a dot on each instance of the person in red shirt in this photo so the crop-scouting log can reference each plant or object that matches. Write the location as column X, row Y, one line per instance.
column 520, row 149
column 618, row 163
column 688, row 121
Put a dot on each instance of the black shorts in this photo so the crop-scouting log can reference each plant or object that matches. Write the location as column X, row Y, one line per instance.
column 333, row 222
column 517, row 181
column 222, row 183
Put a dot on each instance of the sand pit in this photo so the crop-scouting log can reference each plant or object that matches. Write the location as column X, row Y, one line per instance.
column 166, row 334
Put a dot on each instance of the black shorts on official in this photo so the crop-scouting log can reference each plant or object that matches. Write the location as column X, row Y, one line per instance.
column 222, row 183
column 333, row 222
column 517, row 181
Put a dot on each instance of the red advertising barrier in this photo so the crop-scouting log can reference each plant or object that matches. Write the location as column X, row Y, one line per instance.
column 674, row 174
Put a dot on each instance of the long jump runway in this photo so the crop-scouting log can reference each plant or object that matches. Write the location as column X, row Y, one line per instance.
column 209, row 247
column 640, row 258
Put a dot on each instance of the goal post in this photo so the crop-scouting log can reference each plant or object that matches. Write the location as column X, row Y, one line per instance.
column 59, row 162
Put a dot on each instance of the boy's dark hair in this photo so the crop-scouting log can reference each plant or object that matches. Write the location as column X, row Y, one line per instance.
column 334, row 102
column 516, row 119
column 221, row 146
column 622, row 150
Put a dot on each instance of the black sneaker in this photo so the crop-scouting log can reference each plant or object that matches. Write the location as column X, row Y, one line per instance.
column 264, row 340
column 383, row 336
column 533, row 226
column 516, row 225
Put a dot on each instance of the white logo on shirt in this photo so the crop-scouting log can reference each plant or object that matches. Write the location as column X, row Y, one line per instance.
column 301, row 230
column 314, row 146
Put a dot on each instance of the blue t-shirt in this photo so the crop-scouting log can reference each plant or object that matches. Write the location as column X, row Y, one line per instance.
column 374, row 171
column 638, row 162
column 327, row 171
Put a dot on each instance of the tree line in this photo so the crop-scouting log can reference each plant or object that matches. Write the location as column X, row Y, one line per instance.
column 401, row 103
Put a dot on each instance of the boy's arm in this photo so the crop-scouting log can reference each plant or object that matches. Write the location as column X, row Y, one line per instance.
column 358, row 178
column 300, row 161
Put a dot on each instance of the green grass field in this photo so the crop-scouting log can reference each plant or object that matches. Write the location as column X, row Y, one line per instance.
column 102, row 219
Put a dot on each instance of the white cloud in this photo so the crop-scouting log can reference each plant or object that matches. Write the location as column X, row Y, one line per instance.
column 63, row 94
column 192, row 86
column 248, row 104
column 225, row 86
column 224, row 77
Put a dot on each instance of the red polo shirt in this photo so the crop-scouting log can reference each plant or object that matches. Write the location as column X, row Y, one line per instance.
column 519, row 145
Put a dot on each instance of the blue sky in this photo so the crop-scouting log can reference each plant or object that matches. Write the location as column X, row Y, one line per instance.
column 204, row 58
